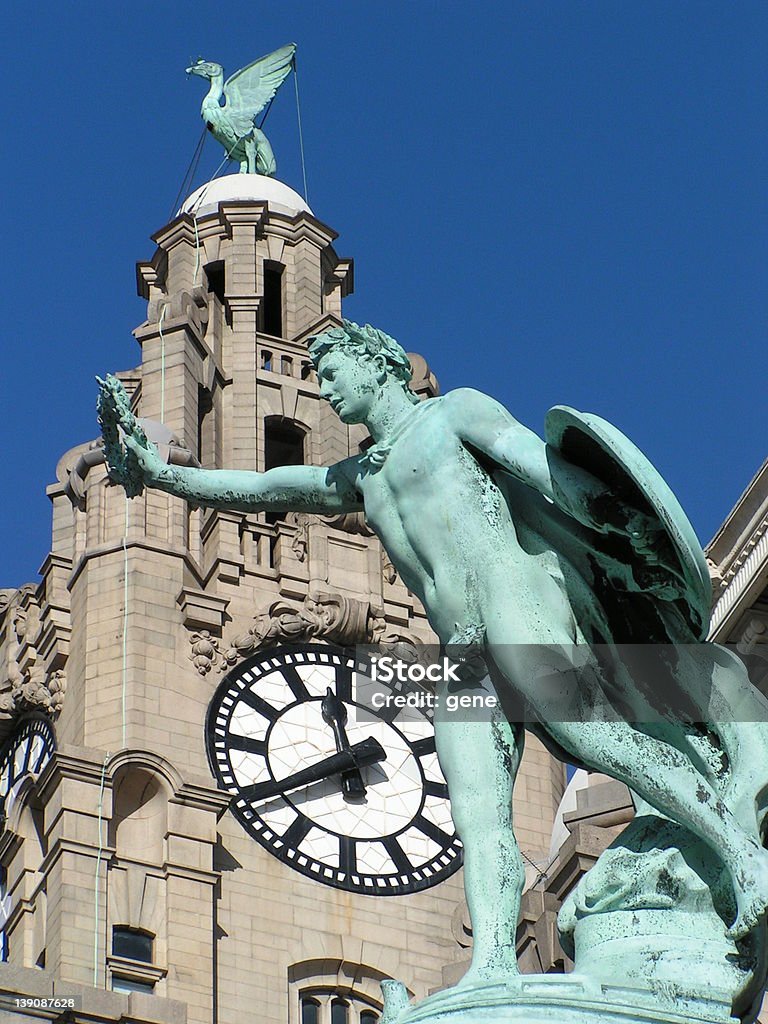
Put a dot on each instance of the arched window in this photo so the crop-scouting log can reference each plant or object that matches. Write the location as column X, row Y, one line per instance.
column 310, row 1011
column 368, row 1017
column 132, row 943
column 283, row 443
column 339, row 1011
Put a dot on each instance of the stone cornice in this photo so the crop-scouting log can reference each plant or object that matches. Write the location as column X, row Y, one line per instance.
column 325, row 323
column 203, row 797
column 182, row 229
column 744, row 579
column 60, row 846
column 81, row 763
column 144, row 545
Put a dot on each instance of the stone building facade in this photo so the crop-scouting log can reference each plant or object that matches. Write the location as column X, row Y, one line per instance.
column 127, row 880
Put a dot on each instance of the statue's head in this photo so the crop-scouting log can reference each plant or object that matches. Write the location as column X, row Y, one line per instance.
column 354, row 363
column 205, row 68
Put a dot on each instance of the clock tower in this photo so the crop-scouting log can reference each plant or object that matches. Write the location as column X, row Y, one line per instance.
column 192, row 850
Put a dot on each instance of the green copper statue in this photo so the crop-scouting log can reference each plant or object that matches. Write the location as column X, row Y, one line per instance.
column 532, row 549
column 246, row 94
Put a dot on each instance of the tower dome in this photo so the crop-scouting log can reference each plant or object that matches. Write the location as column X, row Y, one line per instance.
column 234, row 187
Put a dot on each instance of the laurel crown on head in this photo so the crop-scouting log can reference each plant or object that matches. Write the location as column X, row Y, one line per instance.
column 369, row 341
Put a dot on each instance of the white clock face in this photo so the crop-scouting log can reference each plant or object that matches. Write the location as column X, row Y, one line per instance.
column 356, row 804
column 26, row 752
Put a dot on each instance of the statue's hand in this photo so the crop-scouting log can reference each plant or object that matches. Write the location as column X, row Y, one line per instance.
column 132, row 459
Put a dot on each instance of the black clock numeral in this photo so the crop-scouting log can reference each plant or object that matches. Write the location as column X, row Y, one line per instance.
column 247, row 743
column 344, row 684
column 259, row 705
column 431, row 831
column 388, row 713
column 295, row 682
column 41, row 757
column 424, row 746
column 347, row 855
column 397, row 855
column 439, row 789
column 298, row 830
column 27, row 755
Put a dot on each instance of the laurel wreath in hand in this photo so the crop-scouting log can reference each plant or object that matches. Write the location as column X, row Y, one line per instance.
column 116, row 421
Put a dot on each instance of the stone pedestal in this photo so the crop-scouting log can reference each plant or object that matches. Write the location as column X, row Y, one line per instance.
column 553, row 999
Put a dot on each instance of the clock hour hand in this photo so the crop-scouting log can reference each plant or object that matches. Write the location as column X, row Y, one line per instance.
column 368, row 751
column 335, row 714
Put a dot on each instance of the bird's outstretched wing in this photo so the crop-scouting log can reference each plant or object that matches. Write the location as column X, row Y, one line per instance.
column 251, row 88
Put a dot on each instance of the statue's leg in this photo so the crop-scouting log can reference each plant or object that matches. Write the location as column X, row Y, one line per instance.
column 652, row 765
column 480, row 759
column 667, row 779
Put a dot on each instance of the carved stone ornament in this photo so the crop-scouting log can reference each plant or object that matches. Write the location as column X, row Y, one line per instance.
column 29, row 685
column 205, row 651
column 191, row 305
column 335, row 618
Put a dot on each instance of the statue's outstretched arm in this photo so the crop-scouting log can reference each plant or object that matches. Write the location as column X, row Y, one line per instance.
column 135, row 463
column 286, row 488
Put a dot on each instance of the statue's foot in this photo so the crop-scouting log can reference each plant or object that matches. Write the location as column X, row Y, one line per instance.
column 750, row 882
column 487, row 974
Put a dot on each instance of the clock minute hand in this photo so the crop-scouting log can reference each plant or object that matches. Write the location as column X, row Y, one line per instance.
column 335, row 714
column 359, row 755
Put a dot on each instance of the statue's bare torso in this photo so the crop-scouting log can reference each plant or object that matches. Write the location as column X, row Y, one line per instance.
column 450, row 533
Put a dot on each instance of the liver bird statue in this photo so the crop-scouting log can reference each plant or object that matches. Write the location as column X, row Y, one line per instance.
column 246, row 94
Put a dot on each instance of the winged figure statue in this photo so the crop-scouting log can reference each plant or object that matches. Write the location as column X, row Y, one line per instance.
column 246, row 94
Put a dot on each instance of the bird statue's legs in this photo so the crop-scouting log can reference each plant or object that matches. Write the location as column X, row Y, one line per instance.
column 248, row 166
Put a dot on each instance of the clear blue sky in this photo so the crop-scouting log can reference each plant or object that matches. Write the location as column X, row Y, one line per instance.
column 555, row 202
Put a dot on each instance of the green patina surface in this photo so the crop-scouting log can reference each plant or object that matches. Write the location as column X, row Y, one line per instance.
column 533, row 548
column 245, row 95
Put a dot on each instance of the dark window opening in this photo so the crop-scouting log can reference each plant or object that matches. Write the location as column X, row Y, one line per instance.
column 368, row 1017
column 266, row 360
column 310, row 1011
column 40, row 962
column 283, row 446
column 272, row 303
column 214, row 273
column 339, row 1012
column 306, row 370
column 204, row 409
column 283, row 443
column 286, row 366
column 132, row 944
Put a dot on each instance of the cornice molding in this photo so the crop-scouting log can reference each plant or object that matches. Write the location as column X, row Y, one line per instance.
column 744, row 578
